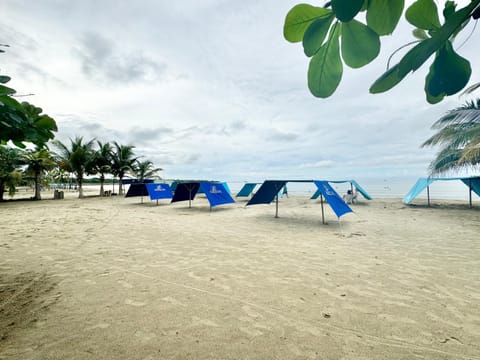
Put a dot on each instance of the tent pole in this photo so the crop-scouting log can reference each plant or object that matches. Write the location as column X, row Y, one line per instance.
column 428, row 195
column 189, row 198
column 157, row 202
column 321, row 202
column 276, row 206
column 470, row 192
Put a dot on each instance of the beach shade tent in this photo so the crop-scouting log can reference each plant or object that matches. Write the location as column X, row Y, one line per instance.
column 216, row 192
column 353, row 183
column 158, row 191
column 155, row 191
column 247, row 189
column 270, row 190
column 337, row 204
column 473, row 184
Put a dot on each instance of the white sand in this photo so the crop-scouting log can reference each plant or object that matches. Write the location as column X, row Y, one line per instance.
column 110, row 278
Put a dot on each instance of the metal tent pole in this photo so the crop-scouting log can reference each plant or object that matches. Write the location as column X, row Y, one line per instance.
column 470, row 192
column 321, row 202
column 428, row 195
column 276, row 206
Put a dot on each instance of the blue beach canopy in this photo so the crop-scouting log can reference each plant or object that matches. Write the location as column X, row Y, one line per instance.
column 353, row 182
column 159, row 191
column 334, row 200
column 246, row 190
column 217, row 193
column 422, row 183
column 267, row 192
column 137, row 189
column 185, row 191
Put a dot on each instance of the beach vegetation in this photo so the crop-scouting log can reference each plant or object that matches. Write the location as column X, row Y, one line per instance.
column 145, row 170
column 458, row 135
column 10, row 174
column 102, row 162
column 349, row 32
column 77, row 158
column 38, row 161
column 123, row 162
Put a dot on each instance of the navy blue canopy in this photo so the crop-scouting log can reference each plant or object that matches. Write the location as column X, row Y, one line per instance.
column 216, row 192
column 137, row 189
column 185, row 191
column 267, row 192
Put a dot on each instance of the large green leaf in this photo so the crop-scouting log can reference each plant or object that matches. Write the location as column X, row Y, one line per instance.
column 360, row 44
column 5, row 90
column 417, row 56
column 345, row 10
column 383, row 15
column 299, row 19
column 4, row 79
column 431, row 98
column 423, row 14
column 387, row 81
column 449, row 72
column 325, row 70
column 315, row 35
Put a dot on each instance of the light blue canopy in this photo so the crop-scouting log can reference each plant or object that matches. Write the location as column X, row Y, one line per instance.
column 422, row 183
column 353, row 182
column 246, row 190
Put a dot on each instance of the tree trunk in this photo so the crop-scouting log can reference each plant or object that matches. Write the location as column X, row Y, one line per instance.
column 102, row 181
column 2, row 189
column 120, row 187
column 80, row 188
column 38, row 184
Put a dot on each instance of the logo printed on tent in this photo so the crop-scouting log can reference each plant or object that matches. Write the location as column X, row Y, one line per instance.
column 214, row 190
column 159, row 188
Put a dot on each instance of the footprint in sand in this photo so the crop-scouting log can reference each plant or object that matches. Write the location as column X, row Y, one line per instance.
column 198, row 321
column 173, row 301
column 250, row 312
column 134, row 303
column 250, row 332
column 144, row 336
column 99, row 326
column 125, row 284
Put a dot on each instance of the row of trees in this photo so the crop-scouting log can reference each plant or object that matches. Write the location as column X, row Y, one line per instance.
column 79, row 157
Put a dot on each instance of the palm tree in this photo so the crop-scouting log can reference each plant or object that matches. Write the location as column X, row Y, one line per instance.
column 102, row 163
column 459, row 137
column 123, row 161
column 77, row 158
column 10, row 176
column 38, row 161
column 145, row 169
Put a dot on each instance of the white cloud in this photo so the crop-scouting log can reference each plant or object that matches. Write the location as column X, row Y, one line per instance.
column 211, row 89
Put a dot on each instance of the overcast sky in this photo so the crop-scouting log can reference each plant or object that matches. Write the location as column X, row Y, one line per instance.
column 210, row 89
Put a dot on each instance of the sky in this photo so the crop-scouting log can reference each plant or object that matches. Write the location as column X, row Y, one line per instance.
column 211, row 90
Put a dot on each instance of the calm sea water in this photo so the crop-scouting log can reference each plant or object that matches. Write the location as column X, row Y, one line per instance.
column 384, row 188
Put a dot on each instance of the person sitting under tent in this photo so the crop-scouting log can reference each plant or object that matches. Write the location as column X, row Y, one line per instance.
column 350, row 197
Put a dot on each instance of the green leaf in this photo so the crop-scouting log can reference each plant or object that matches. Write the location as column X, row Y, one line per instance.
column 420, row 34
column 315, row 35
column 423, row 14
column 4, row 90
column 431, row 98
column 360, row 44
column 325, row 70
column 4, row 79
column 345, row 10
column 387, row 81
column 383, row 15
column 449, row 72
column 449, row 9
column 299, row 19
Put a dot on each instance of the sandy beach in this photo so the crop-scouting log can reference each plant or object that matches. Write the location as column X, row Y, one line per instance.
column 111, row 278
